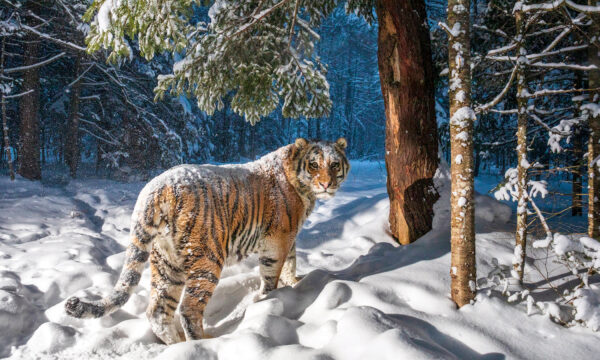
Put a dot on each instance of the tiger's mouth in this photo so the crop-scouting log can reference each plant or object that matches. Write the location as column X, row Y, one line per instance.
column 325, row 194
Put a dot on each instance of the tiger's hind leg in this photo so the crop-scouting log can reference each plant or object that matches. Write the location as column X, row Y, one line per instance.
column 166, row 287
column 203, row 276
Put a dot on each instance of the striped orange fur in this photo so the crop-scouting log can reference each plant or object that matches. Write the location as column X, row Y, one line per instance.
column 191, row 218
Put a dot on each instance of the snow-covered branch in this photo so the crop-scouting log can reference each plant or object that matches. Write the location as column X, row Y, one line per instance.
column 53, row 39
column 33, row 66
column 498, row 98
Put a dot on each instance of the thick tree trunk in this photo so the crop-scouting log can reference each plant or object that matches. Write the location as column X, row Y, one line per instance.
column 29, row 154
column 522, row 163
column 72, row 154
column 4, row 120
column 406, row 76
column 462, row 117
column 594, row 139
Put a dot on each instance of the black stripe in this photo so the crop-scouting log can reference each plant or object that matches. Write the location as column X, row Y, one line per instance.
column 250, row 243
column 217, row 215
column 164, row 275
column 130, row 277
column 249, row 220
column 288, row 211
column 142, row 235
column 169, row 297
column 207, row 275
column 267, row 261
column 136, row 255
column 237, row 197
column 192, row 221
column 199, row 293
column 163, row 260
column 208, row 254
column 118, row 298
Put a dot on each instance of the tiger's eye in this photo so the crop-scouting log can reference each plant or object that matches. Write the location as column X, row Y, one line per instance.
column 335, row 165
column 313, row 165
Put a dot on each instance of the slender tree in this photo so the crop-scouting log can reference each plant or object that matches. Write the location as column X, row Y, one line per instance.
column 72, row 146
column 406, row 76
column 522, row 163
column 29, row 144
column 4, row 120
column 594, row 137
column 462, row 117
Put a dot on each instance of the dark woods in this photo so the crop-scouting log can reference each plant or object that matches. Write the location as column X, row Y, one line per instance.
column 69, row 111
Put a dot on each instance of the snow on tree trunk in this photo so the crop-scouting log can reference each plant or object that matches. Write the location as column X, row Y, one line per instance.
column 593, row 142
column 522, row 163
column 406, row 77
column 4, row 120
column 29, row 154
column 72, row 147
column 462, row 117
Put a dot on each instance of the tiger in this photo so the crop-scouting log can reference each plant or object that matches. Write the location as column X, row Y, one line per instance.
column 191, row 219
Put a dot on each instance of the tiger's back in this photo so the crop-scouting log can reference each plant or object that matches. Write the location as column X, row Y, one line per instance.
column 191, row 218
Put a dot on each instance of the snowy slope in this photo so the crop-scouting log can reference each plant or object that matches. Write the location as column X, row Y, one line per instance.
column 363, row 297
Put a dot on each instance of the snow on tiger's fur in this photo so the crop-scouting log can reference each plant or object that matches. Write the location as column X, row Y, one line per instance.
column 189, row 220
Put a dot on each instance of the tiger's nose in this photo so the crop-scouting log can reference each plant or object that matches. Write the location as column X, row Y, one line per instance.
column 325, row 185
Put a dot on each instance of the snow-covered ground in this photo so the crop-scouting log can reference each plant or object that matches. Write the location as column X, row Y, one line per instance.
column 363, row 297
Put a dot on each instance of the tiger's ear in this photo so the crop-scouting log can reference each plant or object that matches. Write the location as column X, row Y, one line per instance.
column 342, row 143
column 301, row 143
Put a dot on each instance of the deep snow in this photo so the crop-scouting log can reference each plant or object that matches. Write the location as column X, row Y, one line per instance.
column 363, row 297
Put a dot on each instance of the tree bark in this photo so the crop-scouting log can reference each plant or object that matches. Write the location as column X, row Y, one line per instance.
column 29, row 154
column 462, row 118
column 594, row 138
column 577, row 186
column 522, row 163
column 406, row 77
column 4, row 120
column 72, row 153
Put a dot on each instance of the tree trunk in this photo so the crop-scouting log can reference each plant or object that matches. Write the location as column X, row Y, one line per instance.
column 4, row 120
column 29, row 154
column 318, row 130
column 477, row 162
column 577, row 186
column 72, row 147
column 522, row 163
column 406, row 77
column 594, row 139
column 462, row 117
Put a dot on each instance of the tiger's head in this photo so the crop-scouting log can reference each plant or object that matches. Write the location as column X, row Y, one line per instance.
column 322, row 166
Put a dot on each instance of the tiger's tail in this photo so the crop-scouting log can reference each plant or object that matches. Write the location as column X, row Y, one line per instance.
column 135, row 258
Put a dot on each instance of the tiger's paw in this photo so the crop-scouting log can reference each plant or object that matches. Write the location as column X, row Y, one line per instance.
column 259, row 296
column 290, row 281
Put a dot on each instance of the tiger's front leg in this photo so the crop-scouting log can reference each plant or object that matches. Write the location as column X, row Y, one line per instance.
column 288, row 273
column 271, row 260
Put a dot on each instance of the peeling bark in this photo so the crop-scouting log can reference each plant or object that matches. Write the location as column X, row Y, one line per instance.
column 406, row 77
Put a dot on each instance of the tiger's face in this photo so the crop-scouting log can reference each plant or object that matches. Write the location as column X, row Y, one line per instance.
column 324, row 166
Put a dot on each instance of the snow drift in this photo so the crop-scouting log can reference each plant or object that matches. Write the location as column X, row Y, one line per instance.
column 363, row 296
